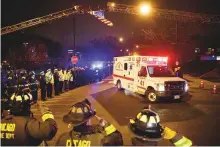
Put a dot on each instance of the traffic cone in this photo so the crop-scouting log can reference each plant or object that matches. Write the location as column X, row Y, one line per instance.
column 201, row 84
column 214, row 91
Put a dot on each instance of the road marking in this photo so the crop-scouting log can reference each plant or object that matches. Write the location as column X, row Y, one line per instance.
column 107, row 79
column 100, row 82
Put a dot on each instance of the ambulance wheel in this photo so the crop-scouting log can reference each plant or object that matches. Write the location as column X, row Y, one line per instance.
column 151, row 95
column 119, row 85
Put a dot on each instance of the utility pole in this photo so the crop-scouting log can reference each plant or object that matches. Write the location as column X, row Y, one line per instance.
column 176, row 32
column 74, row 35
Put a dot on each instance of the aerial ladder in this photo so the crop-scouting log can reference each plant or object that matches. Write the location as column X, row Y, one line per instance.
column 113, row 7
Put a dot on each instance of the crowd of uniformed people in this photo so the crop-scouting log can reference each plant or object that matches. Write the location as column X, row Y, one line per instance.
column 47, row 83
column 19, row 127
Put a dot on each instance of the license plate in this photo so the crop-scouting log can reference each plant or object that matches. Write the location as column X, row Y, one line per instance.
column 176, row 97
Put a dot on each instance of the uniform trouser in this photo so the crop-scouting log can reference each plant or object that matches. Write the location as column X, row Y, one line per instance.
column 49, row 90
column 70, row 85
column 43, row 93
column 66, row 84
column 61, row 86
column 34, row 95
column 56, row 88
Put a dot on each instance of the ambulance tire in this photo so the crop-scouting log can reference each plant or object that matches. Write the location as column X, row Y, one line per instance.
column 151, row 96
column 119, row 85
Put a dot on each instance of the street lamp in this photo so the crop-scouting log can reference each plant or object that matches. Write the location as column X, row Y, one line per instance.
column 137, row 46
column 112, row 4
column 145, row 9
column 120, row 50
column 127, row 50
column 121, row 39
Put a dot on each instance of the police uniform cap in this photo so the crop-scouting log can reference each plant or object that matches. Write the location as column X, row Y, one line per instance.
column 79, row 114
column 48, row 70
column 42, row 73
column 146, row 125
column 55, row 69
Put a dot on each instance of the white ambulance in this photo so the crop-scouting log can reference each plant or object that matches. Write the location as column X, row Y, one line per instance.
column 148, row 76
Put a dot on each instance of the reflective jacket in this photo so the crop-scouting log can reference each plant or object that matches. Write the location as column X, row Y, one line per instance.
column 61, row 76
column 70, row 76
column 49, row 78
column 65, row 75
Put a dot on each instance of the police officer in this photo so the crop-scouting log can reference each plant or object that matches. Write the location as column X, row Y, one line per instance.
column 33, row 85
column 70, row 79
column 49, row 81
column 147, row 130
column 65, row 80
column 61, row 79
column 43, row 85
column 56, row 82
column 20, row 128
column 87, row 135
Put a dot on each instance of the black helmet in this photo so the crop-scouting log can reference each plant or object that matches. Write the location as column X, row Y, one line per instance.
column 23, row 72
column 146, row 125
column 31, row 73
column 20, row 104
column 79, row 113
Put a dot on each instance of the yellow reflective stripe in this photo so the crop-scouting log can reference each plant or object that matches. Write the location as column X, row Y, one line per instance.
column 139, row 115
column 18, row 98
column 12, row 97
column 185, row 142
column 110, row 129
column 132, row 121
column 47, row 116
column 143, row 118
column 169, row 134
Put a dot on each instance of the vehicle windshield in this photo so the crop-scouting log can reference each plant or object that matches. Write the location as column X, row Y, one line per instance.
column 159, row 71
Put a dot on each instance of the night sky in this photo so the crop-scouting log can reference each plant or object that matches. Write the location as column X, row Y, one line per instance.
column 87, row 27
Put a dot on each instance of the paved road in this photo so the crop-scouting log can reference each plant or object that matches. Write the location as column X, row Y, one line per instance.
column 197, row 117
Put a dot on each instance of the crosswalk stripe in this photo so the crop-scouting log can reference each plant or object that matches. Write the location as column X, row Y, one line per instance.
column 111, row 82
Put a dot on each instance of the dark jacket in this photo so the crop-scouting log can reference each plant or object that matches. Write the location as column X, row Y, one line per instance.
column 26, row 131
column 42, row 82
column 90, row 136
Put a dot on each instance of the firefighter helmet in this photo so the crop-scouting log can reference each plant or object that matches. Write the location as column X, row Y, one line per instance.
column 80, row 113
column 146, row 125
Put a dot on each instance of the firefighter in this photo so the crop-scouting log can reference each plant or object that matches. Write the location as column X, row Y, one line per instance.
column 22, row 81
column 56, row 82
column 83, row 134
column 49, row 82
column 61, row 79
column 43, row 86
column 33, row 85
column 11, row 84
column 20, row 128
column 147, row 131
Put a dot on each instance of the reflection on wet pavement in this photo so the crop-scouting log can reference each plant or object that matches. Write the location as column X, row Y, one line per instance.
column 122, row 107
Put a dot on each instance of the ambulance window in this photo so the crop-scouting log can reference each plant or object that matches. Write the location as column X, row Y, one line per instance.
column 125, row 66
